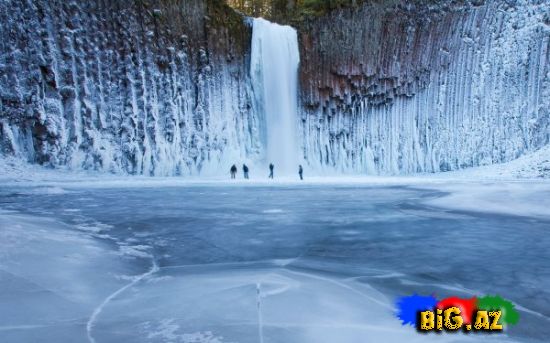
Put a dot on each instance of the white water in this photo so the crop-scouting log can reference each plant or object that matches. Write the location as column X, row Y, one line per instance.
column 274, row 72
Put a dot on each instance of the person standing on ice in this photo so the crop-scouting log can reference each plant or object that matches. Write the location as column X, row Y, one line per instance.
column 245, row 171
column 233, row 171
column 271, row 167
column 301, row 172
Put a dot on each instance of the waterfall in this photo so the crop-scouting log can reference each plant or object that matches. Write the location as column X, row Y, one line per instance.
column 274, row 73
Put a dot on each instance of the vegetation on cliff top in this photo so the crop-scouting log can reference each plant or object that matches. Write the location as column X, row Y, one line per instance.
column 296, row 11
column 289, row 10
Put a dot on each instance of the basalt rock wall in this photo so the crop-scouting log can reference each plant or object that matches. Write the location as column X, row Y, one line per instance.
column 154, row 87
column 413, row 86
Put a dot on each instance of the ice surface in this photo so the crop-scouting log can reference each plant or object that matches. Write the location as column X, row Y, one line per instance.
column 229, row 303
column 51, row 277
column 282, row 262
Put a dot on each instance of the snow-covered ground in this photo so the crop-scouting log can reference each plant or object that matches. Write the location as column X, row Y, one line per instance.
column 534, row 166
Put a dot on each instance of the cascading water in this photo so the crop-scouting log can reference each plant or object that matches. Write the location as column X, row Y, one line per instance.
column 274, row 72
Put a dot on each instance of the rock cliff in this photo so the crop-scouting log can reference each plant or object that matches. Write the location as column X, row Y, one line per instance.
column 160, row 87
column 425, row 86
column 143, row 87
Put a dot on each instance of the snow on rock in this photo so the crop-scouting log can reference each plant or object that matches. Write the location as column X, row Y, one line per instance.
column 123, row 87
column 423, row 87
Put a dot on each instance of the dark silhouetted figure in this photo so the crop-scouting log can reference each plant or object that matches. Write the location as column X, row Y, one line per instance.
column 245, row 171
column 271, row 167
column 233, row 171
column 301, row 172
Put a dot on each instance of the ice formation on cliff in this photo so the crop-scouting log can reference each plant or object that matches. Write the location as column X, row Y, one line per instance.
column 124, row 87
column 427, row 92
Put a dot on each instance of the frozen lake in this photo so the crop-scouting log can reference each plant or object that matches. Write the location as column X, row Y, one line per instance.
column 259, row 263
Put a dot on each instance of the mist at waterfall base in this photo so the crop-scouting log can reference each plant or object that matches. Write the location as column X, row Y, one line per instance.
column 274, row 73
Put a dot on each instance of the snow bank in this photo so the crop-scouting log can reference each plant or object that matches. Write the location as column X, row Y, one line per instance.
column 531, row 166
column 521, row 199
